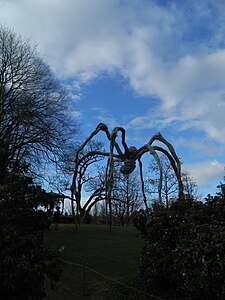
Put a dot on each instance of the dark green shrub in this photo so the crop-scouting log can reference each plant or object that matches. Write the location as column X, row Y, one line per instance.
column 184, row 253
column 25, row 262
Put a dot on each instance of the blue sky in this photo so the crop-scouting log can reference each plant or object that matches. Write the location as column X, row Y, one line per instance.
column 145, row 65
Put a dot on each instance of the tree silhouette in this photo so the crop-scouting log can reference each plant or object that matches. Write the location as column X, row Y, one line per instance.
column 32, row 120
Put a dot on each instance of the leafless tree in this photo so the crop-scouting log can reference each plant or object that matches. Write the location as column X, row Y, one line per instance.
column 33, row 122
column 90, row 180
column 126, row 196
column 170, row 184
column 191, row 190
column 169, row 180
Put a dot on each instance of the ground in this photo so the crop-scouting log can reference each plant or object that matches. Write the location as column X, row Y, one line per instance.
column 93, row 261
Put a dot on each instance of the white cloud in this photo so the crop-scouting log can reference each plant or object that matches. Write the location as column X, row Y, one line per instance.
column 105, row 116
column 200, row 146
column 101, row 34
column 139, row 123
column 204, row 172
column 74, row 113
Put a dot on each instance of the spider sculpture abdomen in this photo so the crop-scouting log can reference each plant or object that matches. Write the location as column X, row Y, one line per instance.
column 128, row 167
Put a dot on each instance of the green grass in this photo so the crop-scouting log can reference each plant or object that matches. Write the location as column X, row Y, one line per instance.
column 115, row 256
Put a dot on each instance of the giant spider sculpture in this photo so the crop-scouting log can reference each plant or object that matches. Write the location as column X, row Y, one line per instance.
column 128, row 156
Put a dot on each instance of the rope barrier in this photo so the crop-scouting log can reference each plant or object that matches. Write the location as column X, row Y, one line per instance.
column 111, row 279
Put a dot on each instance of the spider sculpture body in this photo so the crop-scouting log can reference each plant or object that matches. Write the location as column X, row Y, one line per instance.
column 129, row 157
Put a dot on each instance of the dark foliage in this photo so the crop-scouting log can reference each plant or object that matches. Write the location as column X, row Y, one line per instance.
column 25, row 262
column 184, row 253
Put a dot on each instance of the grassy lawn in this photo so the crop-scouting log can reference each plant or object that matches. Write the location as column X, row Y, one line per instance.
column 115, row 256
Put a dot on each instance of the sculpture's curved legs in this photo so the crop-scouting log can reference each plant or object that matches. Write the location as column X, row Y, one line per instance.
column 128, row 157
column 155, row 155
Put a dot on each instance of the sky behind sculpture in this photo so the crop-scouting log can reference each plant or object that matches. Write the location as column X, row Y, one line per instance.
column 145, row 65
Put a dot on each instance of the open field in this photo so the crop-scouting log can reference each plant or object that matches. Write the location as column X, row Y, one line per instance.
column 114, row 256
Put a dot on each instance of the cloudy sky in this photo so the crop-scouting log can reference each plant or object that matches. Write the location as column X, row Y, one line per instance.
column 145, row 65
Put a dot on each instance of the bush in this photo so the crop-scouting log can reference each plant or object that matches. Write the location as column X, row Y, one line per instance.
column 184, row 252
column 25, row 262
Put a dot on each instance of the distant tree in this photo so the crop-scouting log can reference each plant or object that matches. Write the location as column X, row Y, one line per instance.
column 95, row 213
column 169, row 180
column 33, row 122
column 126, row 196
column 88, row 180
column 102, row 212
column 170, row 183
column 125, row 199
column 190, row 186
